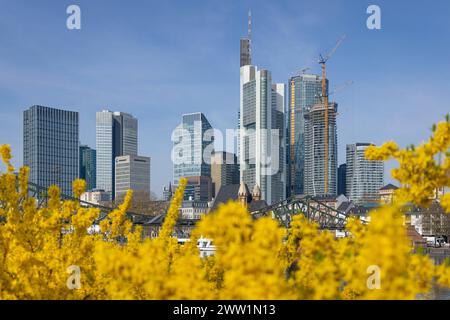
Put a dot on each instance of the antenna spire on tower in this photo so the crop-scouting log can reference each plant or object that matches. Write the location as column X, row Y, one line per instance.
column 249, row 35
column 246, row 55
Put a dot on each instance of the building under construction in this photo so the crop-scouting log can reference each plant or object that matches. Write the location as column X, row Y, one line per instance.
column 304, row 92
column 317, row 160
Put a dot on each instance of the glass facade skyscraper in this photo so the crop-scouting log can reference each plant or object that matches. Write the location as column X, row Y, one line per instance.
column 364, row 177
column 304, row 92
column 193, row 144
column 50, row 146
column 261, row 135
column 116, row 135
column 342, row 179
column 88, row 167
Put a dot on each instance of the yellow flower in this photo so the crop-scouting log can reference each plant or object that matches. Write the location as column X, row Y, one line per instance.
column 78, row 186
column 422, row 170
column 5, row 151
column 254, row 259
column 445, row 202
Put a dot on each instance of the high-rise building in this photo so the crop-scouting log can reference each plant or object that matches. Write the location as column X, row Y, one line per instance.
column 133, row 173
column 315, row 151
column 116, row 135
column 88, row 167
column 261, row 128
column 193, row 145
column 279, row 178
column 224, row 170
column 50, row 146
column 342, row 179
column 304, row 92
column 261, row 135
column 198, row 188
column 364, row 177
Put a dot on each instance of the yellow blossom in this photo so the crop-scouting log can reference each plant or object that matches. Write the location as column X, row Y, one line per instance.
column 254, row 259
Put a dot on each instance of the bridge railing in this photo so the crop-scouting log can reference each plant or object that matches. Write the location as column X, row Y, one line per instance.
column 313, row 209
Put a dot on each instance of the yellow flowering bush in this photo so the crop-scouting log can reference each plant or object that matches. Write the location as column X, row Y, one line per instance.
column 255, row 259
column 422, row 170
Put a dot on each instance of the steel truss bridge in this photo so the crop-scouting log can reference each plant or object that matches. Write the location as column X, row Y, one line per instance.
column 41, row 195
column 313, row 209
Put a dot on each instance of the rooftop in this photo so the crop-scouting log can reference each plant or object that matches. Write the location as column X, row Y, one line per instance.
column 389, row 186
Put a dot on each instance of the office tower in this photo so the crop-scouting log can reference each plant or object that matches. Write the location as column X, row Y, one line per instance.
column 342, row 179
column 116, row 135
column 50, row 147
column 364, row 177
column 261, row 109
column 278, row 124
column 315, row 151
column 133, row 173
column 224, row 170
column 198, row 188
column 193, row 145
column 88, row 167
column 304, row 92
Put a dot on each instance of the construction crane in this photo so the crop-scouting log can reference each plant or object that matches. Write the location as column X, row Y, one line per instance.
column 323, row 62
column 340, row 88
column 336, row 90
column 303, row 71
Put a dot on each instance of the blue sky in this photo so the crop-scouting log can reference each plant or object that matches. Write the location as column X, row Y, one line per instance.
column 160, row 59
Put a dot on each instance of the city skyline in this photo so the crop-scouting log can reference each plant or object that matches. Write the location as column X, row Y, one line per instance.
column 387, row 85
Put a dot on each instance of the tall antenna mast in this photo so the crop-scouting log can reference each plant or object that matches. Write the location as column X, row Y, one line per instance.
column 249, row 32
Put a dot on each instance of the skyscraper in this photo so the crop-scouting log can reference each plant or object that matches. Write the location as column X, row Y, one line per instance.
column 132, row 173
column 193, row 144
column 304, row 92
column 198, row 188
column 261, row 115
column 245, row 49
column 88, row 167
column 116, row 135
column 50, row 146
column 342, row 179
column 224, row 170
column 364, row 177
column 279, row 178
column 315, row 151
